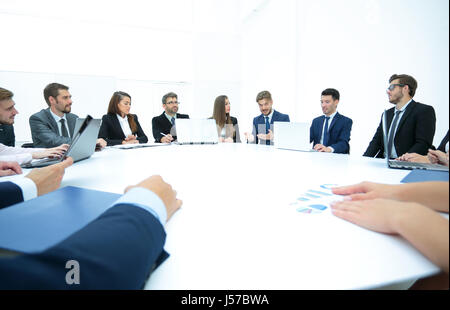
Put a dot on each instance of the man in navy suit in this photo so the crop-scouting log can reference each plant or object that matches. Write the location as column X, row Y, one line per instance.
column 118, row 250
column 331, row 131
column 263, row 124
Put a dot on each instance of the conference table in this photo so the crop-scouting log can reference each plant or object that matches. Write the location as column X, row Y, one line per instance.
column 240, row 226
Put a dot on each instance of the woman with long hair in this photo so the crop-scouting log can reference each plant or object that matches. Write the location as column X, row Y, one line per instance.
column 119, row 126
column 227, row 126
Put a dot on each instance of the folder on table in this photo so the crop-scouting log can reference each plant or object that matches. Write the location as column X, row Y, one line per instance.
column 425, row 176
column 38, row 224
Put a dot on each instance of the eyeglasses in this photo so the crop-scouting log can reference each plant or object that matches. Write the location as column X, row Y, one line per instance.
column 391, row 87
column 173, row 102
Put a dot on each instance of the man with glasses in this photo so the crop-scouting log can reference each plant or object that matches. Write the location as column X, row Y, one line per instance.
column 410, row 125
column 163, row 126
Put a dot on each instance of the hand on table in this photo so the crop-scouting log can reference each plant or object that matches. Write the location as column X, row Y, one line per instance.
column 9, row 168
column 322, row 148
column 438, row 157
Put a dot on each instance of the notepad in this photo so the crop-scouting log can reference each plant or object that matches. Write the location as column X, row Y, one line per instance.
column 38, row 224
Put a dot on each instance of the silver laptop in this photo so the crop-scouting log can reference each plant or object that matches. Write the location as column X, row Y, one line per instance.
column 292, row 136
column 82, row 146
column 196, row 131
column 398, row 164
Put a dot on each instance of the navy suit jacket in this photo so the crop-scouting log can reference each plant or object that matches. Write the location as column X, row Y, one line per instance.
column 118, row 250
column 414, row 134
column 10, row 194
column 338, row 132
column 259, row 122
column 112, row 133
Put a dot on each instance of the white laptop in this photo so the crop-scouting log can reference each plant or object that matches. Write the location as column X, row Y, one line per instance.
column 292, row 136
column 196, row 131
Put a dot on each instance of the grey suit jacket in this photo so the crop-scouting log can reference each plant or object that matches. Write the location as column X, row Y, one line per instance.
column 45, row 132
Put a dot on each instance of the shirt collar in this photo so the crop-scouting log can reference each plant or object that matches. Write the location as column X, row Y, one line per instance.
column 404, row 107
column 56, row 117
column 332, row 115
column 270, row 115
column 170, row 117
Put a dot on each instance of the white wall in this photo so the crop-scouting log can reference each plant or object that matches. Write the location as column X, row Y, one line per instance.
column 205, row 48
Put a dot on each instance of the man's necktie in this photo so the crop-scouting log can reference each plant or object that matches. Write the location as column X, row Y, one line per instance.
column 267, row 128
column 391, row 133
column 325, row 131
column 64, row 132
column 173, row 121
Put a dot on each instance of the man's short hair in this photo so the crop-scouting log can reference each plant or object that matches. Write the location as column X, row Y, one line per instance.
column 53, row 90
column 169, row 95
column 331, row 92
column 265, row 94
column 406, row 80
column 5, row 94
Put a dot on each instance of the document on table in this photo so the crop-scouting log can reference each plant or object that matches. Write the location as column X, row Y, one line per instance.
column 138, row 145
column 315, row 200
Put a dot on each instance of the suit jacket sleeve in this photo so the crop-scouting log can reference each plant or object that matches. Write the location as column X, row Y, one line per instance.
column 118, row 250
column 237, row 137
column 424, row 133
column 443, row 143
column 156, row 129
column 255, row 131
column 342, row 145
column 10, row 194
column 43, row 134
column 106, row 131
column 376, row 147
column 142, row 138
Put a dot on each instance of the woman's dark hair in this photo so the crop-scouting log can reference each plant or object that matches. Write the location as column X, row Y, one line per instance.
column 114, row 109
column 221, row 117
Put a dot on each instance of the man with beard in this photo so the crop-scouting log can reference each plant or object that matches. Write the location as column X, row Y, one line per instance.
column 410, row 125
column 263, row 124
column 163, row 126
column 55, row 125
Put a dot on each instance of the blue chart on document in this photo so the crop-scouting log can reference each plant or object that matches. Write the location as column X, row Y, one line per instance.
column 315, row 200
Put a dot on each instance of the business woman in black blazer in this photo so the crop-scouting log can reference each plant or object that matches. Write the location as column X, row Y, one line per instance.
column 415, row 131
column 111, row 130
column 227, row 126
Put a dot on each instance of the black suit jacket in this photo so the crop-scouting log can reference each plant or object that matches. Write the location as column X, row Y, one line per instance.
column 162, row 124
column 112, row 133
column 7, row 136
column 443, row 143
column 414, row 134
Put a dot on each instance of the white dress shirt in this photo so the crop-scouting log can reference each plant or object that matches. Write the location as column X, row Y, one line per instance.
column 323, row 128
column 19, row 154
column 394, row 151
column 125, row 125
column 29, row 189
column 58, row 122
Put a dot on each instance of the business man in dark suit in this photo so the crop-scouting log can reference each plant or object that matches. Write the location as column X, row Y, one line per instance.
column 164, row 125
column 263, row 124
column 119, row 126
column 411, row 129
column 7, row 136
column 331, row 132
column 55, row 125
column 118, row 250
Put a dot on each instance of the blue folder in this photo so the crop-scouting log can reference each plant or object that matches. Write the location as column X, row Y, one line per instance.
column 418, row 175
column 38, row 224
